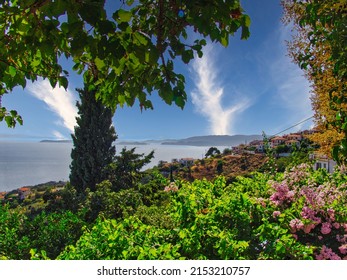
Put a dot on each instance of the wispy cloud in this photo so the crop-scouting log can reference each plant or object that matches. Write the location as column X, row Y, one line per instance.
column 209, row 99
column 59, row 101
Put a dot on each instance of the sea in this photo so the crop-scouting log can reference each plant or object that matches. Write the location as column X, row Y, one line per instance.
column 33, row 163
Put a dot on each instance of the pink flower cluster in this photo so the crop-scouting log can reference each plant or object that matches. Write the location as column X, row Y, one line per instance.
column 326, row 228
column 297, row 174
column 318, row 216
column 171, row 187
column 327, row 253
column 310, row 214
column 319, row 196
column 341, row 238
column 275, row 214
column 282, row 194
column 296, row 225
column 343, row 249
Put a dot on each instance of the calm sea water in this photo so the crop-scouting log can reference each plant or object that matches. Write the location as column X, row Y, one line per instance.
column 26, row 164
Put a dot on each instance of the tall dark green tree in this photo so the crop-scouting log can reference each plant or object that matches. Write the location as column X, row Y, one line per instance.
column 93, row 142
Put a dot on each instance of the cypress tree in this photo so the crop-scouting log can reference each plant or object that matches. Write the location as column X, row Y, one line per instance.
column 93, row 142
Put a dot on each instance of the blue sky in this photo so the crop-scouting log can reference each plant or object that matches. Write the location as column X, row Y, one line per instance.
column 249, row 87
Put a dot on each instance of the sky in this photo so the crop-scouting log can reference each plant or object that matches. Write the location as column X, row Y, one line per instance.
column 249, row 87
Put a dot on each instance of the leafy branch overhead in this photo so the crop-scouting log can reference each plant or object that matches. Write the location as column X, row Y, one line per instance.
column 127, row 51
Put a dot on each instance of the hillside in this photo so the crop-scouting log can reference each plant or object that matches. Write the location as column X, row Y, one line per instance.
column 229, row 166
column 215, row 140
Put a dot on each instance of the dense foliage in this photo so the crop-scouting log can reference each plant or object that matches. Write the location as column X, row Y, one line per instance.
column 22, row 235
column 126, row 169
column 128, row 50
column 127, row 214
column 298, row 214
column 320, row 48
column 93, row 147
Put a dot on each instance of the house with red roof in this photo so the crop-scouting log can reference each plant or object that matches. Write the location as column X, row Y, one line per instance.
column 23, row 192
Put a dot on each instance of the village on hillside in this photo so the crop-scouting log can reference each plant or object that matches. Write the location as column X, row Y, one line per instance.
column 281, row 145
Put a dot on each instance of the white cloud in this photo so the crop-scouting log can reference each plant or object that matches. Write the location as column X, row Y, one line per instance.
column 208, row 97
column 59, row 101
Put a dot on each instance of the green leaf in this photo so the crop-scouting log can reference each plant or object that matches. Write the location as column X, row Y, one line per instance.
column 246, row 20
column 100, row 64
column 123, row 16
column 63, row 82
column 121, row 100
column 179, row 101
column 225, row 40
column 140, row 38
column 245, row 33
column 106, row 27
column 130, row 2
column 10, row 121
column 344, row 144
column 64, row 27
column 187, row 56
column 152, row 56
column 335, row 153
column 12, row 71
column 344, row 127
column 23, row 28
column 53, row 82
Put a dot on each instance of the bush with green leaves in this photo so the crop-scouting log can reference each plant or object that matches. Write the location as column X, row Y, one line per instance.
column 52, row 232
column 106, row 202
column 12, row 244
column 111, row 204
column 20, row 234
column 298, row 214
column 125, row 240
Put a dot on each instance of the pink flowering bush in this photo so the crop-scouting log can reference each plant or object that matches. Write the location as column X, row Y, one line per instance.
column 283, row 195
column 313, row 209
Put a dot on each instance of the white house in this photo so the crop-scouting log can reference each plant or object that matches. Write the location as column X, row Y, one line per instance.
column 258, row 144
column 323, row 161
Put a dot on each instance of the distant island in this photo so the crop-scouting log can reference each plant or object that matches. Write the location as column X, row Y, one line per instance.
column 215, row 140
column 135, row 143
column 56, row 141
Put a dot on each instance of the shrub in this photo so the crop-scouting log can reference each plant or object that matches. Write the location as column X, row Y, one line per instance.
column 129, row 239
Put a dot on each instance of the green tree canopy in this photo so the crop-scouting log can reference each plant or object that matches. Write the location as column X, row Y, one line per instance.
column 212, row 151
column 126, row 169
column 127, row 51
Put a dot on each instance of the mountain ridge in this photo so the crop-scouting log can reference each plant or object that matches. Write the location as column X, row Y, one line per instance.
column 215, row 140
